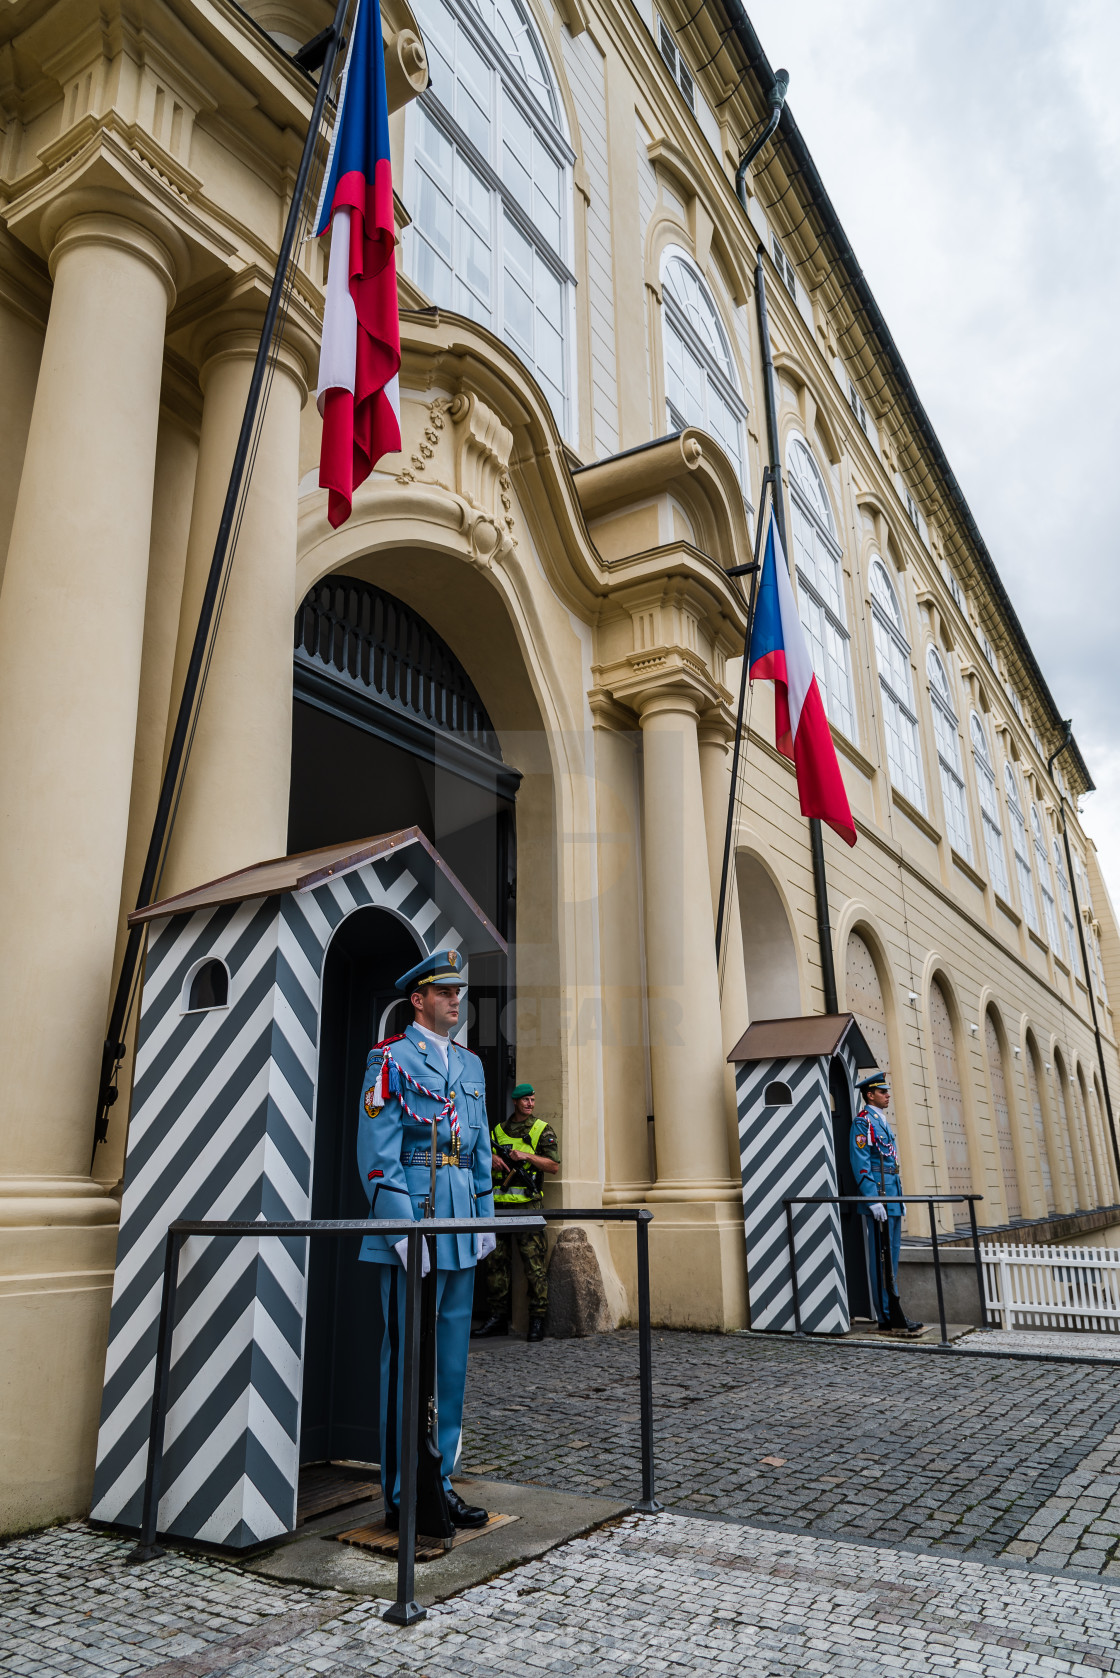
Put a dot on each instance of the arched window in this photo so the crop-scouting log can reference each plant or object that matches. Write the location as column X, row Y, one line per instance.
column 949, row 757
column 488, row 181
column 820, row 593
column 701, row 387
column 1021, row 847
column 892, row 650
column 207, row 986
column 1067, row 908
column 989, row 807
column 1045, row 883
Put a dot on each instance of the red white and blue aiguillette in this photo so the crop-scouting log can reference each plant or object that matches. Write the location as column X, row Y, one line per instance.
column 360, row 359
column 780, row 655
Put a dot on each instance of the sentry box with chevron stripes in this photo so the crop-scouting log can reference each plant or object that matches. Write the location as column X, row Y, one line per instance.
column 259, row 992
column 795, row 1095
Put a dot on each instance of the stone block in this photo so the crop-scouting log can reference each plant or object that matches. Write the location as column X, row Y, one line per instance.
column 577, row 1300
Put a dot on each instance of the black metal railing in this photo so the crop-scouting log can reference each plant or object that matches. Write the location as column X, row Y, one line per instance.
column 404, row 1610
column 929, row 1200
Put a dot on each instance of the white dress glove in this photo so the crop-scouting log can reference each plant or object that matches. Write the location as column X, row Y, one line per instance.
column 879, row 1212
column 484, row 1245
column 401, row 1249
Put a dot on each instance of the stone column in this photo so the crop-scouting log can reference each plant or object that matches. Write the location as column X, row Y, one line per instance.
column 715, row 776
column 71, row 633
column 684, row 1012
column 234, row 806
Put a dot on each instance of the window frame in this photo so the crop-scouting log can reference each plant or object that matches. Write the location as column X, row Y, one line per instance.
column 1045, row 880
column 898, row 708
column 956, row 803
column 1066, row 908
column 674, row 317
column 991, row 827
column 676, row 66
column 1024, row 877
column 809, row 592
column 505, row 81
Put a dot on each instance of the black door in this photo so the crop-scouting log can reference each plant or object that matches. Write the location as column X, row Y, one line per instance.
column 851, row 1222
column 343, row 1336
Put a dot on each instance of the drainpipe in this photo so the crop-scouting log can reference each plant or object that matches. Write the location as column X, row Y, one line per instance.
column 1085, row 967
column 816, row 841
column 776, row 99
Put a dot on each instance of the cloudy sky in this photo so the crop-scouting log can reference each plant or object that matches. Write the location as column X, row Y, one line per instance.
column 972, row 151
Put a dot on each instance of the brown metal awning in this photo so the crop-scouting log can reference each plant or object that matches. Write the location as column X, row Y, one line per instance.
column 304, row 870
column 805, row 1034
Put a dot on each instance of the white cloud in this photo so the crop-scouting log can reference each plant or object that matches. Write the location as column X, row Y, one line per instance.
column 973, row 155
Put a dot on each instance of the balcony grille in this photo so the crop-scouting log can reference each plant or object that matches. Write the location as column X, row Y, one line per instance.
column 384, row 649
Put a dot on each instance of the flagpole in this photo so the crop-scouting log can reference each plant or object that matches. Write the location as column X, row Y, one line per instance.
column 816, row 840
column 114, row 1047
column 738, row 571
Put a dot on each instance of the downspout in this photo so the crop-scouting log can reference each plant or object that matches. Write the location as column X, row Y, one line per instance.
column 776, row 99
column 816, row 841
column 1085, row 967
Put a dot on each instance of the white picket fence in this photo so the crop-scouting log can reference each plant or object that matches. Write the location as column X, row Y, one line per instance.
column 1052, row 1287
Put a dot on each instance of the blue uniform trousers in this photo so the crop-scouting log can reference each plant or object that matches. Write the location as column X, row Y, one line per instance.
column 454, row 1297
column 879, row 1295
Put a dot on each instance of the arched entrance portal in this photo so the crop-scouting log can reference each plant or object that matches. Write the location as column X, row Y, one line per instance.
column 773, row 985
column 388, row 732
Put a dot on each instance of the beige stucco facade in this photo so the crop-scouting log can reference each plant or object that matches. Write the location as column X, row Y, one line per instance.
column 571, row 549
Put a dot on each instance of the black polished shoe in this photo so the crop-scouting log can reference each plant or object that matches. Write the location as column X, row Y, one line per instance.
column 465, row 1514
column 392, row 1518
column 492, row 1327
column 536, row 1329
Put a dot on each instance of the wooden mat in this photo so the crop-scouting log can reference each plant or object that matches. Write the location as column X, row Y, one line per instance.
column 378, row 1537
column 324, row 1486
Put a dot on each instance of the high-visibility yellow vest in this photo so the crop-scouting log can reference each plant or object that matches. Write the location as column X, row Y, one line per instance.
column 517, row 1193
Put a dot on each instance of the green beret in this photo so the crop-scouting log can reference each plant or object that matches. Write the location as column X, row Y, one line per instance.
column 522, row 1089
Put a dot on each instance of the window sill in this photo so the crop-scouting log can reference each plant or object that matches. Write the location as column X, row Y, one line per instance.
column 1036, row 938
column 913, row 814
column 969, row 872
column 1013, row 915
column 851, row 752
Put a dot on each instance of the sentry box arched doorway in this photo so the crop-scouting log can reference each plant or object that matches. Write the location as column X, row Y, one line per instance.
column 795, row 1094
column 227, row 1099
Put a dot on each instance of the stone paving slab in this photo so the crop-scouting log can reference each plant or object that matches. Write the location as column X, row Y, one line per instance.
column 1040, row 1341
column 935, row 1450
column 653, row 1595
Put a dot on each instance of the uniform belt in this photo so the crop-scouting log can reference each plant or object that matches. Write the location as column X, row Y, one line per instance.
column 423, row 1156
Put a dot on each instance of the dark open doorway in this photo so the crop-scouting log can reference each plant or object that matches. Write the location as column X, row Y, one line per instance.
column 851, row 1221
column 340, row 1366
column 388, row 732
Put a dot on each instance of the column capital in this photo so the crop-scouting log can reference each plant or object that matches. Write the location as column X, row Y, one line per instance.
column 110, row 229
column 229, row 329
column 717, row 727
column 658, row 679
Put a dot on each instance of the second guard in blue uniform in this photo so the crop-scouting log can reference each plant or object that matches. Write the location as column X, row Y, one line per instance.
column 410, row 1080
column 874, row 1155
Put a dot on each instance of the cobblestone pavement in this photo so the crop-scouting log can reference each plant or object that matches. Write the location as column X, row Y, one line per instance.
column 1038, row 1340
column 935, row 1450
column 662, row 1594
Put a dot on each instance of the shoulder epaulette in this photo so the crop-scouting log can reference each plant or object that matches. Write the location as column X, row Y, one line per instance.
column 399, row 1038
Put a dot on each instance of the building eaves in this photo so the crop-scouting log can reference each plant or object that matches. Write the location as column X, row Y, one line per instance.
column 789, row 135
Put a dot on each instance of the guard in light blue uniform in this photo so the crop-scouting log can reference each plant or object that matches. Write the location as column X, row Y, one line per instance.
column 410, row 1080
column 874, row 1155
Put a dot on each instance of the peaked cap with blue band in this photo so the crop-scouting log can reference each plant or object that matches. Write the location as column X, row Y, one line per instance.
column 442, row 967
column 873, row 1081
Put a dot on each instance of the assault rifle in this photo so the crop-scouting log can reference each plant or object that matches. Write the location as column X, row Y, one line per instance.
column 516, row 1171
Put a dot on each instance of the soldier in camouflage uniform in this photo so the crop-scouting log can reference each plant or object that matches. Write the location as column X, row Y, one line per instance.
column 536, row 1152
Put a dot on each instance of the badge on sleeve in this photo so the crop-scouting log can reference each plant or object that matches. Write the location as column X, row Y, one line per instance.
column 861, row 1141
column 372, row 1102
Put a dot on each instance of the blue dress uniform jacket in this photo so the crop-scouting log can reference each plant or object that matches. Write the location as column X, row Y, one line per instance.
column 874, row 1155
column 393, row 1147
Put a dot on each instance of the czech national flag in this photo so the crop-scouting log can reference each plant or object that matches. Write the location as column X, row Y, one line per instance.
column 359, row 395
column 779, row 654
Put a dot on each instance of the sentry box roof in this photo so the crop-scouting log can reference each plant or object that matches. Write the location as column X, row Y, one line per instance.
column 805, row 1034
